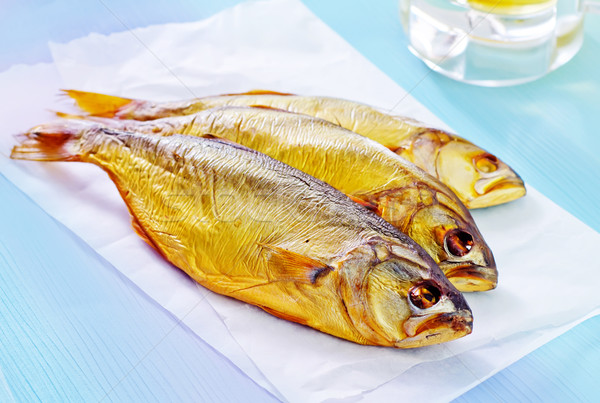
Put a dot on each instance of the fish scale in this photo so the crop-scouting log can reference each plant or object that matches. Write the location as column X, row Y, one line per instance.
column 372, row 175
column 358, row 278
column 456, row 162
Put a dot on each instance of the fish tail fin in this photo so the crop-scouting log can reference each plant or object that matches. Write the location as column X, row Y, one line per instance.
column 56, row 141
column 98, row 104
column 89, row 122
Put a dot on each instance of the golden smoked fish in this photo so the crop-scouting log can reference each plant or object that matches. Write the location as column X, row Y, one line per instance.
column 478, row 178
column 250, row 227
column 411, row 200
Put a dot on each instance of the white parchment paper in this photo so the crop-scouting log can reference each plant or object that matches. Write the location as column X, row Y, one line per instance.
column 281, row 45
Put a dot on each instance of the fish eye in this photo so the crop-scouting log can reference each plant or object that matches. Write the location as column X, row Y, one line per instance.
column 424, row 295
column 486, row 163
column 458, row 242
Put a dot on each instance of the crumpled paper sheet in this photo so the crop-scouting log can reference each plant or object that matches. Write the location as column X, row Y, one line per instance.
column 548, row 278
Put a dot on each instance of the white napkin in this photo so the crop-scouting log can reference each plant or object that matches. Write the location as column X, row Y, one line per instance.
column 548, row 277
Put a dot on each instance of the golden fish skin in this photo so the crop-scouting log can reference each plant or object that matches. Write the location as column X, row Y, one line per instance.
column 478, row 178
column 245, row 225
column 411, row 200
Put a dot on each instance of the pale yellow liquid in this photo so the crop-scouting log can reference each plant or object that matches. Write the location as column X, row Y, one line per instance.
column 511, row 7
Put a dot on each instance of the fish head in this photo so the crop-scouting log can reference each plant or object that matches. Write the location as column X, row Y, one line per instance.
column 479, row 178
column 456, row 244
column 397, row 297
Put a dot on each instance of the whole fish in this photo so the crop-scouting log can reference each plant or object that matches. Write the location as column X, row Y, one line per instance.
column 245, row 225
column 411, row 200
column 478, row 178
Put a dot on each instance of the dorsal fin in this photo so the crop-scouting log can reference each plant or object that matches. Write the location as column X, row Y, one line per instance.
column 270, row 108
column 290, row 266
column 261, row 92
column 98, row 104
column 223, row 140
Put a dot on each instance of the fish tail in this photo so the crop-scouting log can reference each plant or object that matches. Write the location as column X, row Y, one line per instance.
column 89, row 122
column 56, row 141
column 98, row 104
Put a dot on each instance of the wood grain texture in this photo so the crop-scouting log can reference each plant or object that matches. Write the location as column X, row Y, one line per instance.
column 564, row 370
column 546, row 130
column 51, row 348
column 72, row 328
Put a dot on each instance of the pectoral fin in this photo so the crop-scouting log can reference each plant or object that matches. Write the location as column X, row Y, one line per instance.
column 290, row 266
column 137, row 227
column 285, row 316
column 366, row 204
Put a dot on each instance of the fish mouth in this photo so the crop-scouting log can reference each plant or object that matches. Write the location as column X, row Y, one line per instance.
column 494, row 191
column 468, row 277
column 437, row 328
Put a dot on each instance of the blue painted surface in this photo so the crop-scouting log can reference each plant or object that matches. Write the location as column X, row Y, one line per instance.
column 63, row 330
column 27, row 26
column 546, row 130
column 73, row 329
column 564, row 370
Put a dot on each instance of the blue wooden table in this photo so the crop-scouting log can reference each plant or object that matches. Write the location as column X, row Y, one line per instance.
column 73, row 329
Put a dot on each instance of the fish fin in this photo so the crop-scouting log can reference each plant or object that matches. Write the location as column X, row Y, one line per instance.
column 137, row 227
column 291, row 266
column 366, row 204
column 270, row 108
column 218, row 139
column 97, row 121
column 285, row 316
column 213, row 137
column 397, row 149
column 135, row 222
column 98, row 104
column 226, row 141
column 55, row 141
column 261, row 92
column 65, row 115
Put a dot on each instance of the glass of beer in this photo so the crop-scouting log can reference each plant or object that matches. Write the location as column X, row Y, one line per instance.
column 494, row 42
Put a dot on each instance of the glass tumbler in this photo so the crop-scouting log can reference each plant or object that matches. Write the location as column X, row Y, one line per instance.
column 495, row 42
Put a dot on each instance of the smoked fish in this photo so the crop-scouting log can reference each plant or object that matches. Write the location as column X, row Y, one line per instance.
column 478, row 178
column 410, row 199
column 250, row 227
